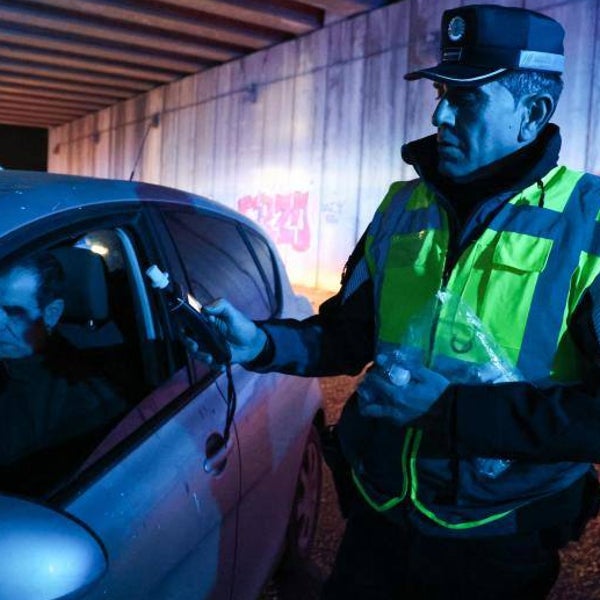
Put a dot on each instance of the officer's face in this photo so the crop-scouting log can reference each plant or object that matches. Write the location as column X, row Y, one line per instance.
column 476, row 126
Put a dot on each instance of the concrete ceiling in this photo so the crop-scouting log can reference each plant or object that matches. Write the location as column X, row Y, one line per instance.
column 62, row 59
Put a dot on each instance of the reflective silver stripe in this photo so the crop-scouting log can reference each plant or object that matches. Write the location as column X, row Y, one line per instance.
column 542, row 61
column 359, row 275
column 479, row 77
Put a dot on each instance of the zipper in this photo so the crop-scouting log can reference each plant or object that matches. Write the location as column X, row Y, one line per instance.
column 450, row 260
column 453, row 251
column 451, row 219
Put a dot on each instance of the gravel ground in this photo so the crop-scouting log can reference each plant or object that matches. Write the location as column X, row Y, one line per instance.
column 580, row 575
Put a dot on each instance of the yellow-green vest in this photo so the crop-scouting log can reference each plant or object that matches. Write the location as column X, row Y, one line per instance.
column 522, row 277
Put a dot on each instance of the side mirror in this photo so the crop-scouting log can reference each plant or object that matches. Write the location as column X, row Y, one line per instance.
column 46, row 555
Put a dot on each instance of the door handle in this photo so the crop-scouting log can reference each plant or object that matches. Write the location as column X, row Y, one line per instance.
column 217, row 453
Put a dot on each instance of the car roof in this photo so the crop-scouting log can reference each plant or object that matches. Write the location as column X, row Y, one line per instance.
column 27, row 196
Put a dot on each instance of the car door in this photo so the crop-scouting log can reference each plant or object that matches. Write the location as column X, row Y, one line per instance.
column 226, row 258
column 167, row 522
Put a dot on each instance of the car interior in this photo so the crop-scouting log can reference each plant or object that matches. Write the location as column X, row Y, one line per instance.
column 101, row 321
column 99, row 318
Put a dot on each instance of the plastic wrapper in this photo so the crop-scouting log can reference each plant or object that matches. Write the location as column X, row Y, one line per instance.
column 464, row 352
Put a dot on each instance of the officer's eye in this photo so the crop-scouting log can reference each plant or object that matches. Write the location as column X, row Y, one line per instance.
column 439, row 90
column 462, row 96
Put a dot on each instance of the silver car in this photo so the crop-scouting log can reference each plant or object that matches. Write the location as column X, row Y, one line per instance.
column 175, row 496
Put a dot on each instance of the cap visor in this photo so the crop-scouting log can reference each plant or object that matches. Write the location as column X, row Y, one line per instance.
column 457, row 74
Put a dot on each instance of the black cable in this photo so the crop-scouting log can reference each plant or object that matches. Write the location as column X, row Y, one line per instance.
column 231, row 402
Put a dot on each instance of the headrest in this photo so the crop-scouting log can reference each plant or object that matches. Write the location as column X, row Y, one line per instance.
column 86, row 295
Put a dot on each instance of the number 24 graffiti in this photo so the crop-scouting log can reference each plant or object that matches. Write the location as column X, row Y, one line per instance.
column 284, row 216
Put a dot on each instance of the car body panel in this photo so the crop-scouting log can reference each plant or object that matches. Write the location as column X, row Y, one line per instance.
column 273, row 455
column 158, row 505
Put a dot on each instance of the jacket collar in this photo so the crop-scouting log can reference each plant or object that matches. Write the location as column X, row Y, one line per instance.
column 510, row 175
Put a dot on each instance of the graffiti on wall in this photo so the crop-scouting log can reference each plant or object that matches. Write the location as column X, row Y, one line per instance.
column 284, row 216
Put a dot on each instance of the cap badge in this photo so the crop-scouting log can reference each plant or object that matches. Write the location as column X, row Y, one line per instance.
column 456, row 29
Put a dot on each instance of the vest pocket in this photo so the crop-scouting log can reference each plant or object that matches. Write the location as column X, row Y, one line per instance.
column 410, row 279
column 503, row 282
column 521, row 252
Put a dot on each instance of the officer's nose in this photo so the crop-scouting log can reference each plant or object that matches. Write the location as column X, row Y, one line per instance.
column 443, row 114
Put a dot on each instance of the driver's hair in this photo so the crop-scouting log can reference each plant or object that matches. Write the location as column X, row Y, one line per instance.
column 49, row 273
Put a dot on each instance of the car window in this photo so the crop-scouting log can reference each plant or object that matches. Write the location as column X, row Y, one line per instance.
column 219, row 262
column 76, row 384
column 267, row 266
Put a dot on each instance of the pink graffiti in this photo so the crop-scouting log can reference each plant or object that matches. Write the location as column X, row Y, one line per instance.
column 284, row 216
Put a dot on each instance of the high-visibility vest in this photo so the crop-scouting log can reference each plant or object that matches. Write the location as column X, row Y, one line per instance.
column 522, row 278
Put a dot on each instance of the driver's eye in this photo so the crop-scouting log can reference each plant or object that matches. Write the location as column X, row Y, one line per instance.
column 14, row 311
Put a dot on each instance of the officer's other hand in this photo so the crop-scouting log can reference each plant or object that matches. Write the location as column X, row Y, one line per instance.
column 193, row 348
column 244, row 338
column 379, row 397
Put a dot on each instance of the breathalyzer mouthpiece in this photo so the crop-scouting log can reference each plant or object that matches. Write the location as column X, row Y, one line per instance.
column 159, row 278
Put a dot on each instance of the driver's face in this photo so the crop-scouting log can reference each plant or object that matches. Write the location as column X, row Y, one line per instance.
column 21, row 319
column 476, row 127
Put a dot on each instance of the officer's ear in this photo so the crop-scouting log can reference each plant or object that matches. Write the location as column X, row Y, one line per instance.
column 536, row 110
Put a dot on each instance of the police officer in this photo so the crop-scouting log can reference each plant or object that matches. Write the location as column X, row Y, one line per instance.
column 476, row 293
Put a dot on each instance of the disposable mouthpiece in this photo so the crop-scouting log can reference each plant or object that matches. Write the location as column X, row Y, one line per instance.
column 159, row 278
column 398, row 375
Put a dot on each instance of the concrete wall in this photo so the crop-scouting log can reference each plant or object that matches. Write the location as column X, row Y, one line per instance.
column 305, row 137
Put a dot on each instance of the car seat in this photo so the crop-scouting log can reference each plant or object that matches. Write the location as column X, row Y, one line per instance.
column 97, row 320
column 86, row 322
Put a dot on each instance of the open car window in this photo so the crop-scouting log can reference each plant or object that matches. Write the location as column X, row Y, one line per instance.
column 97, row 377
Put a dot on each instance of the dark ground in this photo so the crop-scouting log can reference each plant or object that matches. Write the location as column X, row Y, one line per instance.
column 580, row 575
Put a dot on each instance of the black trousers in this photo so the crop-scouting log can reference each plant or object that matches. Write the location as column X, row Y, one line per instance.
column 381, row 560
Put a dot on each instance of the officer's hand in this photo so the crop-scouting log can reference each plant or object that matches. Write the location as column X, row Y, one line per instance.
column 193, row 348
column 378, row 397
column 244, row 338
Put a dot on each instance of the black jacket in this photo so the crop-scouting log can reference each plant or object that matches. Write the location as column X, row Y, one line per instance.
column 517, row 420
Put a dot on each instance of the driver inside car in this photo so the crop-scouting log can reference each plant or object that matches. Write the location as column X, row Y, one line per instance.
column 52, row 403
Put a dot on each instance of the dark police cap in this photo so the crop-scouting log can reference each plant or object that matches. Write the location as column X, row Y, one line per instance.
column 480, row 42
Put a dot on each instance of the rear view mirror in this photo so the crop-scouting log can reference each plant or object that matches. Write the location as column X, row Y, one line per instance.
column 45, row 554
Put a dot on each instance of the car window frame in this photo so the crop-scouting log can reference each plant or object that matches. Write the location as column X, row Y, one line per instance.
column 67, row 226
column 274, row 292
